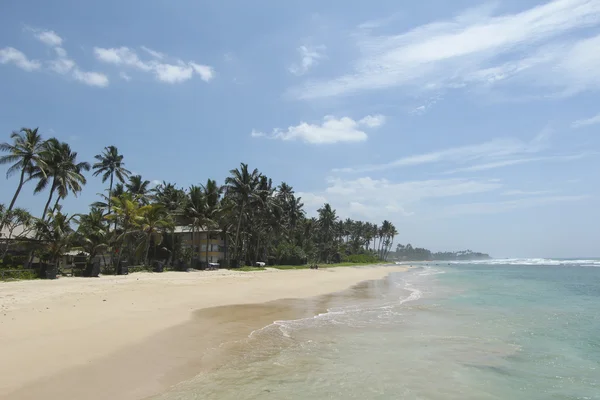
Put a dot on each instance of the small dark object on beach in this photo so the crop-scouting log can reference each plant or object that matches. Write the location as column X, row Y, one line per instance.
column 314, row 266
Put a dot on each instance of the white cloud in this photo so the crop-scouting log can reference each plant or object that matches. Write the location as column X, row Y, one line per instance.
column 494, row 149
column 373, row 121
column 177, row 72
column 332, row 130
column 91, row 78
column 10, row 55
column 595, row 120
column 518, row 161
column 526, row 192
column 153, row 53
column 173, row 73
column 62, row 65
column 60, row 52
column 311, row 200
column 49, row 38
column 465, row 50
column 206, row 72
column 380, row 198
column 124, row 76
column 503, row 206
column 309, row 57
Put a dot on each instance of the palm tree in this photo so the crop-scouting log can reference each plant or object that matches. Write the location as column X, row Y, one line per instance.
column 153, row 221
column 326, row 228
column 24, row 155
column 57, row 235
column 212, row 194
column 139, row 188
column 173, row 200
column 242, row 187
column 126, row 213
column 62, row 170
column 93, row 236
column 110, row 165
column 195, row 212
column 16, row 220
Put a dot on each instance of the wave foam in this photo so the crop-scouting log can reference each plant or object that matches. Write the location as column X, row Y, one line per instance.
column 532, row 261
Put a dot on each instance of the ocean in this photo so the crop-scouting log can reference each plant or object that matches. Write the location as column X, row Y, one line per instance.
column 498, row 329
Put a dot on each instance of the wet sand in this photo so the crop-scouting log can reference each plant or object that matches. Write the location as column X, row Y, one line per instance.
column 133, row 337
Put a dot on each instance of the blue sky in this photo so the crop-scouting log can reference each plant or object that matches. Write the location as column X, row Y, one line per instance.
column 468, row 124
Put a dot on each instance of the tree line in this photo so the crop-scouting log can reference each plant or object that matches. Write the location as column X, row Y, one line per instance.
column 410, row 253
column 257, row 220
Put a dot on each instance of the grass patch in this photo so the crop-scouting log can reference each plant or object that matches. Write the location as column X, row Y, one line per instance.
column 344, row 264
column 248, row 269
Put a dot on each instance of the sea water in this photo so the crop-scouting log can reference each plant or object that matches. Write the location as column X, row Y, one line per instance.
column 501, row 329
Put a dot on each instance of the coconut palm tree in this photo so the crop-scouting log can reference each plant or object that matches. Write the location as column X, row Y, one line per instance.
column 110, row 165
column 18, row 223
column 92, row 235
column 195, row 212
column 327, row 230
column 152, row 223
column 24, row 154
column 174, row 200
column 138, row 187
column 61, row 170
column 212, row 195
column 57, row 235
column 126, row 213
column 241, row 185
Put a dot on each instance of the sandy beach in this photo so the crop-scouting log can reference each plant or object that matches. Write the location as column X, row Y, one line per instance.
column 134, row 336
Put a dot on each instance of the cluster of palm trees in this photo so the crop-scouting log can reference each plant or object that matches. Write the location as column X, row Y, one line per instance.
column 257, row 220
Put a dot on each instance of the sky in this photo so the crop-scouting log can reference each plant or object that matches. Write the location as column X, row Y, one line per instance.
column 468, row 124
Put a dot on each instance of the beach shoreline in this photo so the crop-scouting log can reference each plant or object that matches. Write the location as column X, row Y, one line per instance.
column 135, row 336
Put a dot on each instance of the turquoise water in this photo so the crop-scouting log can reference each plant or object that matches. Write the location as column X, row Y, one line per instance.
column 529, row 329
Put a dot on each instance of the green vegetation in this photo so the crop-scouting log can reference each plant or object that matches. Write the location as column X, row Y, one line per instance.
column 250, row 269
column 256, row 220
column 409, row 253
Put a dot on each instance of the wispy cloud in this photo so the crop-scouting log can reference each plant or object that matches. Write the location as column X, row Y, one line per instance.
column 62, row 64
column 153, row 53
column 526, row 192
column 10, row 55
column 465, row 50
column 595, row 120
column 309, row 57
column 176, row 72
column 375, row 198
column 503, row 206
column 498, row 149
column 518, row 161
column 332, row 130
column 49, row 38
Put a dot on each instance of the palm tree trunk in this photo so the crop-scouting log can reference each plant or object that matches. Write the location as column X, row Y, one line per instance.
column 226, row 249
column 193, row 243
column 49, row 199
column 56, row 204
column 147, row 252
column 14, row 199
column 37, row 237
column 120, row 251
column 237, row 233
column 207, row 244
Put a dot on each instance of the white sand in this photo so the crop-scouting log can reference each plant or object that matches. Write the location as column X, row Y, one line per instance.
column 49, row 327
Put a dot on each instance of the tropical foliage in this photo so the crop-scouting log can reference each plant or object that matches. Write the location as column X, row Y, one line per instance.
column 256, row 220
column 410, row 253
